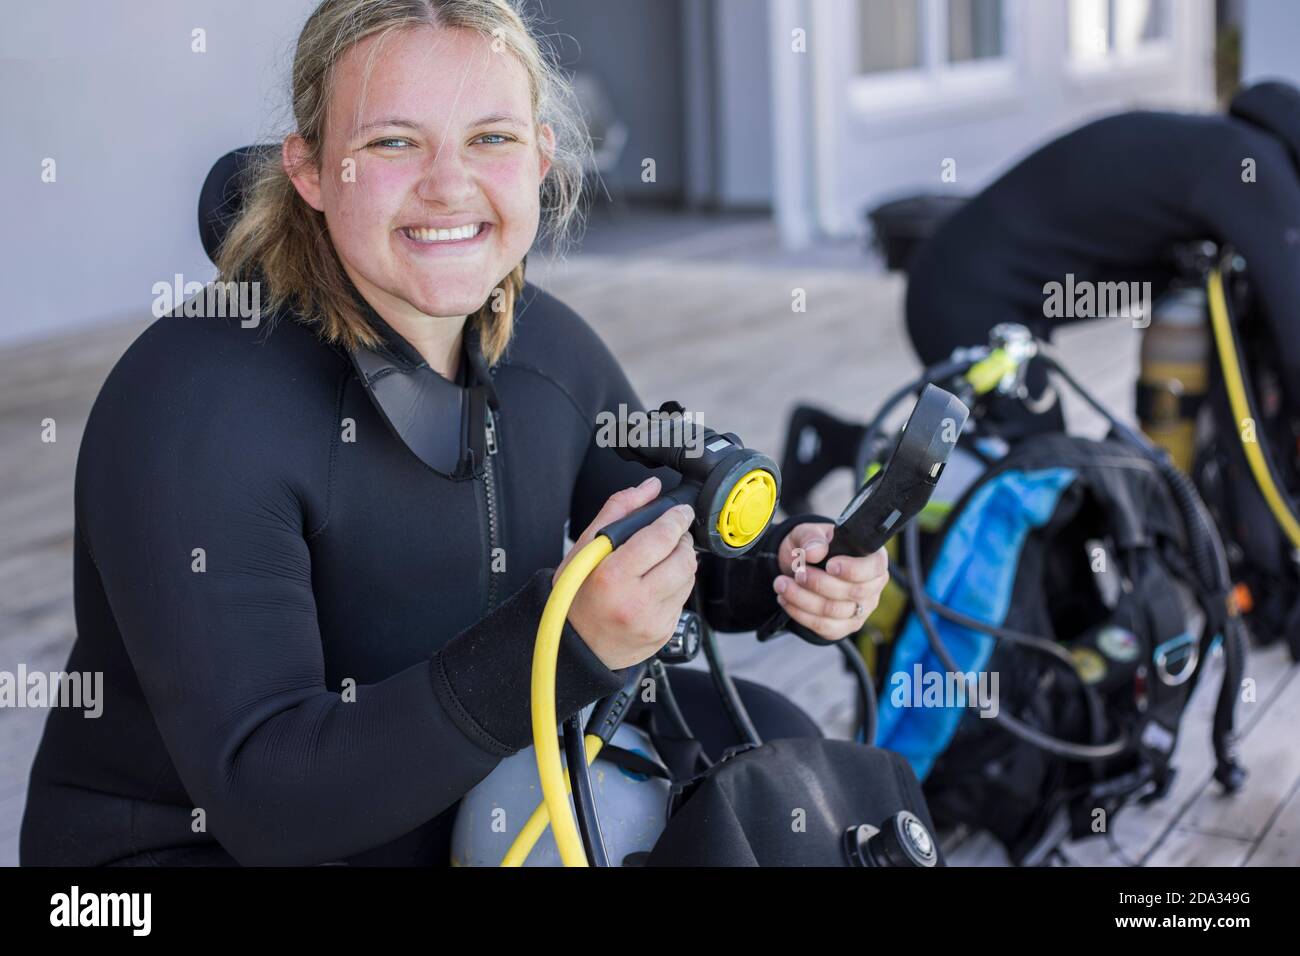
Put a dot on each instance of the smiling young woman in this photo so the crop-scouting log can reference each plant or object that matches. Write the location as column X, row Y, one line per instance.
column 465, row 125
column 311, row 555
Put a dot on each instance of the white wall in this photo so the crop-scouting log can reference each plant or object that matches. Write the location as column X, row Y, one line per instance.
column 134, row 120
column 865, row 153
column 1270, row 41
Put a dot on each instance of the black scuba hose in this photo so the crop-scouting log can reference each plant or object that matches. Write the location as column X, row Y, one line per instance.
column 1211, row 566
column 726, row 689
column 1096, row 720
column 934, row 373
column 1204, row 545
column 1054, row 745
column 584, row 800
column 1212, row 559
column 866, row 687
column 665, row 690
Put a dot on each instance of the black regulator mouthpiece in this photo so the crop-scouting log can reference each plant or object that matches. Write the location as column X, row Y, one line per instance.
column 733, row 489
column 895, row 494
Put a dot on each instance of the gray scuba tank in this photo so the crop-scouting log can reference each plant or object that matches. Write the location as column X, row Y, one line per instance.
column 633, row 809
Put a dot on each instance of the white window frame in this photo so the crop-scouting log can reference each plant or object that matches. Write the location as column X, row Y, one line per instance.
column 1120, row 66
column 937, row 86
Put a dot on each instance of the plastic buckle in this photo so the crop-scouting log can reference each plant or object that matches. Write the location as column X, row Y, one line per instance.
column 1164, row 653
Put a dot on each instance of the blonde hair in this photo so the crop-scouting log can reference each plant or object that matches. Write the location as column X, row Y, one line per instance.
column 286, row 243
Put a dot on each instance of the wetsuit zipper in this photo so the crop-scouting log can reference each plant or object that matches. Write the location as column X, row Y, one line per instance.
column 489, row 474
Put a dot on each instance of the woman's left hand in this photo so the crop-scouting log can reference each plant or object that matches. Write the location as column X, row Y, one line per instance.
column 834, row 601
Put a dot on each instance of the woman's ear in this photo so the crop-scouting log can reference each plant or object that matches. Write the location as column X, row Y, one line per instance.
column 305, row 175
column 546, row 141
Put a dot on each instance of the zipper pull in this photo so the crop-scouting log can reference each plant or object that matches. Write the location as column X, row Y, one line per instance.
column 491, row 430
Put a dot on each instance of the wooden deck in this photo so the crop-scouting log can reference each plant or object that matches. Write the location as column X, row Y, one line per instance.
column 719, row 336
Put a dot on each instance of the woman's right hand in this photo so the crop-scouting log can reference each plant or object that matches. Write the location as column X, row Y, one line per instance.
column 627, row 608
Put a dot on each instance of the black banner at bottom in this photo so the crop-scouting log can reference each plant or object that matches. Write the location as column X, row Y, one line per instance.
column 335, row 904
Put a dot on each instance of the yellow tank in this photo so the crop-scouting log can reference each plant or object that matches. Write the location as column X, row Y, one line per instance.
column 1175, row 372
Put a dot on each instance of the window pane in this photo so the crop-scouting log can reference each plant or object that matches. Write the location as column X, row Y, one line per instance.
column 974, row 29
column 1089, row 29
column 889, row 35
column 1138, row 22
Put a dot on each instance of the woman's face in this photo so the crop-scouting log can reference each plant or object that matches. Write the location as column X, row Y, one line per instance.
column 430, row 169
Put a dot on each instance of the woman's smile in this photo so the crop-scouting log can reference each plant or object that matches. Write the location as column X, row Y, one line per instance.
column 444, row 200
column 431, row 240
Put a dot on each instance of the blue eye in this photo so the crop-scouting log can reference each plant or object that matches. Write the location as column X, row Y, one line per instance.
column 385, row 143
column 501, row 137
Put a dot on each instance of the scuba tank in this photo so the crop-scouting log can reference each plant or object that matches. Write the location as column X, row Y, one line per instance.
column 633, row 807
column 1175, row 360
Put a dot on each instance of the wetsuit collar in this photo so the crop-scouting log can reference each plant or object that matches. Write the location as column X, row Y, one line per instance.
column 443, row 423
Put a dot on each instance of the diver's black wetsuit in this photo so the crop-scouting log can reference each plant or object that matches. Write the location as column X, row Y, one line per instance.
column 324, row 561
column 1107, row 202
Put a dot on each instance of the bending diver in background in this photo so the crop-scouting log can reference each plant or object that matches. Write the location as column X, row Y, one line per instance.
column 1106, row 203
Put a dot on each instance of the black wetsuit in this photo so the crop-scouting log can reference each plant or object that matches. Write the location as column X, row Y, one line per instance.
column 1106, row 203
column 324, row 561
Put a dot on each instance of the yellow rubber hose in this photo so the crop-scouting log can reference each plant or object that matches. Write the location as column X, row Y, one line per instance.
column 1237, row 398
column 541, row 819
column 546, row 732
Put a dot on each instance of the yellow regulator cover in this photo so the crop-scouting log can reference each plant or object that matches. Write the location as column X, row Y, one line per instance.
column 748, row 507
